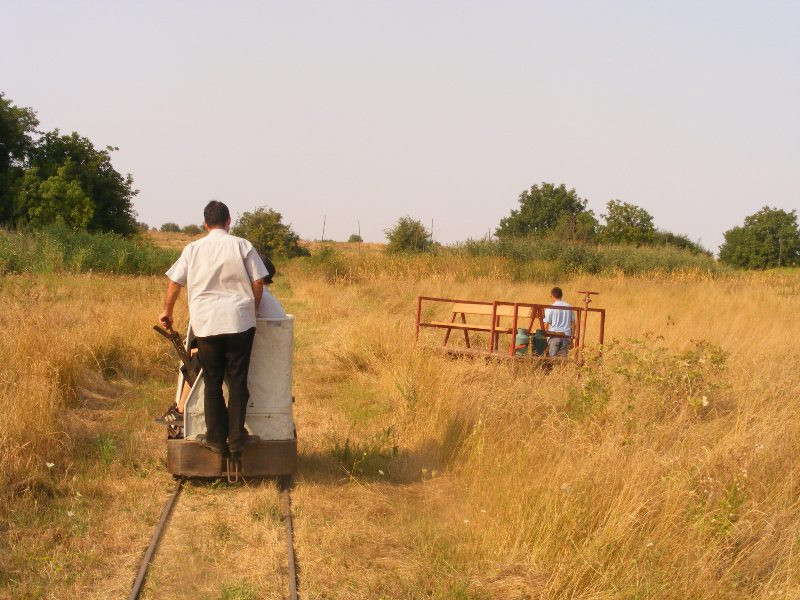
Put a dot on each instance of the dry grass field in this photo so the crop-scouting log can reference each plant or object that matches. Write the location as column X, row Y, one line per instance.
column 166, row 239
column 666, row 469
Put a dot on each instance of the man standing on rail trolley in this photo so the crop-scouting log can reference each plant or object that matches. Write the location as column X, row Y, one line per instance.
column 224, row 275
column 559, row 321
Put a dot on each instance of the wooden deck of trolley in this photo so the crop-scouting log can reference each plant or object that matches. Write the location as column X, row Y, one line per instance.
column 519, row 315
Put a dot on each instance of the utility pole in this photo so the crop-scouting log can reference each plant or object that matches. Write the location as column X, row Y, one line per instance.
column 324, row 218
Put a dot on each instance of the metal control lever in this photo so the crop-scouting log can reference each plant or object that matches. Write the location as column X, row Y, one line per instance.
column 175, row 339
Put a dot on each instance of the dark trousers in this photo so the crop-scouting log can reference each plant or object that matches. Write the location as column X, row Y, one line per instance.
column 226, row 357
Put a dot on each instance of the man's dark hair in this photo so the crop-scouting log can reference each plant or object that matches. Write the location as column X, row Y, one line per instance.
column 216, row 214
column 556, row 293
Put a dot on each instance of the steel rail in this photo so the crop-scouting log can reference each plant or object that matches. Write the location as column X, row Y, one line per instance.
column 151, row 549
column 285, row 484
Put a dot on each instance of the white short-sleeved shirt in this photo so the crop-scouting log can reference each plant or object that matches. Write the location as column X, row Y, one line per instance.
column 560, row 321
column 270, row 308
column 218, row 271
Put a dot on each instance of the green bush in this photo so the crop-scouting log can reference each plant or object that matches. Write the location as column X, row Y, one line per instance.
column 667, row 238
column 264, row 228
column 58, row 248
column 408, row 235
column 170, row 228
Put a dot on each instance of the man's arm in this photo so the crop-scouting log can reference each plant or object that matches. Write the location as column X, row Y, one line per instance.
column 173, row 290
column 258, row 291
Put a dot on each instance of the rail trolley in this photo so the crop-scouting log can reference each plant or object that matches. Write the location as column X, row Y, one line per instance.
column 269, row 413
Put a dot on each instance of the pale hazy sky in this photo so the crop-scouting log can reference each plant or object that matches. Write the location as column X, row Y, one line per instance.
column 444, row 111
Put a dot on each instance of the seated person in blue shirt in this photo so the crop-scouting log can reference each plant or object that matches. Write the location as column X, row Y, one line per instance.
column 559, row 321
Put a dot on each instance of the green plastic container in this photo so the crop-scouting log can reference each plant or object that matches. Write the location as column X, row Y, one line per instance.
column 522, row 339
column 539, row 342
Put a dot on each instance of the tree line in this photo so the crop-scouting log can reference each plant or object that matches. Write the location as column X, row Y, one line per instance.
column 767, row 239
column 50, row 177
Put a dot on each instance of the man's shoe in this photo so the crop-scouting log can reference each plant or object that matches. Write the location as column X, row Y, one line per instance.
column 171, row 418
column 251, row 439
column 217, row 447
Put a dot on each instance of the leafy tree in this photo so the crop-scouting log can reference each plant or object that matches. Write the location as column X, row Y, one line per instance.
column 265, row 230
column 355, row 238
column 540, row 210
column 59, row 177
column 170, row 228
column 408, row 235
column 58, row 199
column 110, row 193
column 768, row 238
column 627, row 224
column 581, row 227
column 16, row 127
column 192, row 230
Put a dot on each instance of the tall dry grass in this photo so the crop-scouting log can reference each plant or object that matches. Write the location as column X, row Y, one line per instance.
column 665, row 470
column 81, row 377
column 62, row 338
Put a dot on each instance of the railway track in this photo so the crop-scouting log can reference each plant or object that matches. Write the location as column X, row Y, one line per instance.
column 284, row 485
